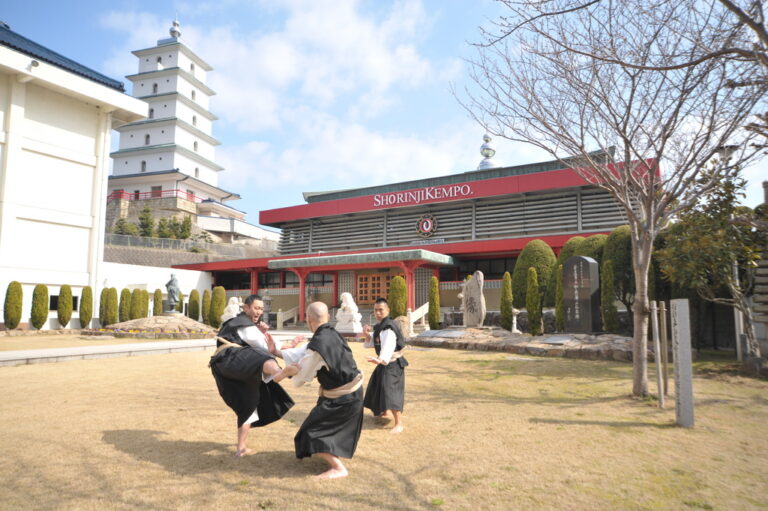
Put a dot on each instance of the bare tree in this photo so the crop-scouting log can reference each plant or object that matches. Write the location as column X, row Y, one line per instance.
column 537, row 80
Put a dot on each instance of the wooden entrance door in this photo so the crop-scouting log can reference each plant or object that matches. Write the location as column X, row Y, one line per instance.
column 373, row 285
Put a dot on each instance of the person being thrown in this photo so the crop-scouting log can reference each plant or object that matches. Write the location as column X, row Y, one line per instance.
column 385, row 395
column 332, row 428
column 247, row 373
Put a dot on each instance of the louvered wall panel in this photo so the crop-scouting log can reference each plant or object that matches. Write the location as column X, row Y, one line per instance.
column 348, row 233
column 295, row 240
column 600, row 211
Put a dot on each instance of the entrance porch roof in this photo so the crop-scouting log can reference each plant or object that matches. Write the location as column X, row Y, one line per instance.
column 366, row 258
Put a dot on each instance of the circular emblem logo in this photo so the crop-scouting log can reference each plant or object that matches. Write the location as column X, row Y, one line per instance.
column 426, row 226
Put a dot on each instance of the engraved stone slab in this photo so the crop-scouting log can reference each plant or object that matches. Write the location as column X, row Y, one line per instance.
column 681, row 346
column 581, row 295
column 473, row 301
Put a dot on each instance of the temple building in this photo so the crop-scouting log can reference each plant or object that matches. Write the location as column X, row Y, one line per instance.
column 167, row 161
column 357, row 240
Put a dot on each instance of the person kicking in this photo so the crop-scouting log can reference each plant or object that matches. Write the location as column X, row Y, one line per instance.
column 385, row 394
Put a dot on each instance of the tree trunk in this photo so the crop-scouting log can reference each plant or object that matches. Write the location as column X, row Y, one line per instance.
column 641, row 255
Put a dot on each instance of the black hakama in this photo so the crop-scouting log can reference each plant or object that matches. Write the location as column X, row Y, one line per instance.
column 238, row 374
column 386, row 388
column 333, row 426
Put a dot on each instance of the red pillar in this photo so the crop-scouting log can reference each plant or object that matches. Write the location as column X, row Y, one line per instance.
column 302, row 274
column 254, row 281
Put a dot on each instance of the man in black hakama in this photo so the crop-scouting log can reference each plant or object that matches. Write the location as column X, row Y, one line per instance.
column 332, row 428
column 247, row 376
column 385, row 394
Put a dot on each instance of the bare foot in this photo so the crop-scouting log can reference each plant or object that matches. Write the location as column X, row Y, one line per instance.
column 384, row 417
column 333, row 473
column 243, row 452
column 397, row 429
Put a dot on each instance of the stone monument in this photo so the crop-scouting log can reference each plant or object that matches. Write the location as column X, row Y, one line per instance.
column 581, row 295
column 173, row 293
column 348, row 319
column 473, row 300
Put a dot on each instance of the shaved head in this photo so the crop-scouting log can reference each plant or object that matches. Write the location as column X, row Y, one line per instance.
column 317, row 314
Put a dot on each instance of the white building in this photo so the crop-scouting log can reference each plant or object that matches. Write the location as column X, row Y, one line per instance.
column 56, row 116
column 168, row 160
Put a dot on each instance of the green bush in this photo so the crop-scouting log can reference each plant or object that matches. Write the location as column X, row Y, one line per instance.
column 14, row 296
column 180, row 303
column 593, row 247
column 194, row 305
column 218, row 303
column 146, row 225
column 433, row 316
column 536, row 254
column 559, row 306
column 157, row 306
column 185, row 230
column 206, row 307
column 608, row 310
column 618, row 249
column 145, row 303
column 164, row 228
column 569, row 249
column 137, row 307
column 397, row 297
column 507, row 314
column 125, row 305
column 39, row 305
column 533, row 302
column 64, row 309
column 86, row 307
column 103, row 306
column 111, row 309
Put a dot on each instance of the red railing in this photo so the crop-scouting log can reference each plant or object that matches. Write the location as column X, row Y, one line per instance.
column 155, row 194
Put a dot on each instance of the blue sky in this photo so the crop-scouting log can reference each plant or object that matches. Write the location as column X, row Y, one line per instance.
column 311, row 94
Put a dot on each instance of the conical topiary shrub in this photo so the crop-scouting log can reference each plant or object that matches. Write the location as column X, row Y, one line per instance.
column 14, row 296
column 64, row 309
column 206, row 307
column 39, row 306
column 397, row 297
column 86, row 307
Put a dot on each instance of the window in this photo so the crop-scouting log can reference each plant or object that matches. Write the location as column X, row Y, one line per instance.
column 157, row 191
column 143, row 166
column 319, row 279
column 151, row 113
column 194, row 120
column 53, row 302
column 192, row 68
column 197, row 172
column 233, row 279
column 193, row 95
column 159, row 59
column 154, row 88
column 493, row 269
column 195, row 146
column 146, row 139
column 136, row 194
column 269, row 279
column 291, row 279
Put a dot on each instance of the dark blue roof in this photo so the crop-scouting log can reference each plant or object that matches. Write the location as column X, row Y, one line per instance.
column 20, row 43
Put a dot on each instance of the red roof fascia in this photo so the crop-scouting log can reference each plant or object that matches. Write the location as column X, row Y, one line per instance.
column 484, row 248
column 564, row 178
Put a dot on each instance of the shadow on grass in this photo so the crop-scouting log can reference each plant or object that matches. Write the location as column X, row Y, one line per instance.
column 612, row 424
column 183, row 457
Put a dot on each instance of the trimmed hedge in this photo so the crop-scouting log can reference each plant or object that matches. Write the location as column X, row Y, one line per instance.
column 125, row 305
column 157, row 306
column 593, row 247
column 86, row 307
column 194, row 305
column 145, row 303
column 618, row 249
column 218, row 303
column 433, row 316
column 14, row 296
column 607, row 297
column 137, row 307
column 111, row 308
column 570, row 248
column 103, row 306
column 180, row 303
column 533, row 303
column 397, row 297
column 536, row 254
column 559, row 306
column 206, row 307
column 507, row 315
column 39, row 306
column 64, row 309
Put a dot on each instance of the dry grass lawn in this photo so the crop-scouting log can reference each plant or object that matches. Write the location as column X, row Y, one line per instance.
column 483, row 431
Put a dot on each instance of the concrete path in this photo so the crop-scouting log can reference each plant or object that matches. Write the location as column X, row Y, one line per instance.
column 22, row 357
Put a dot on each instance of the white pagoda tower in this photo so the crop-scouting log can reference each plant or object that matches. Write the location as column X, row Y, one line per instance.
column 167, row 161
